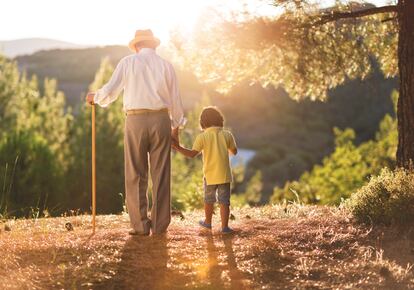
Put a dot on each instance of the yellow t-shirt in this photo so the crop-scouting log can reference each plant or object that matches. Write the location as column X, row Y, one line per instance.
column 214, row 143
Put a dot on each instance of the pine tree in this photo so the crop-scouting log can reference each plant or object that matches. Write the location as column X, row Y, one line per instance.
column 109, row 148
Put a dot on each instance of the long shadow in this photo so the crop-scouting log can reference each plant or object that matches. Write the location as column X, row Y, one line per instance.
column 236, row 276
column 143, row 265
column 227, row 274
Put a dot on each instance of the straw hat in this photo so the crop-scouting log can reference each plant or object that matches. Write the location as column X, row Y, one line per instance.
column 143, row 35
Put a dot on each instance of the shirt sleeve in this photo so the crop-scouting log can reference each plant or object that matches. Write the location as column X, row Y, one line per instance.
column 231, row 143
column 176, row 109
column 198, row 143
column 110, row 91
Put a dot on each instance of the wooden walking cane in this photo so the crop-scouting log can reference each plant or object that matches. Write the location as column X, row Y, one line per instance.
column 93, row 170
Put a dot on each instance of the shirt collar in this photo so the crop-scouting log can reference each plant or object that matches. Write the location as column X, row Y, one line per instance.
column 146, row 50
column 213, row 129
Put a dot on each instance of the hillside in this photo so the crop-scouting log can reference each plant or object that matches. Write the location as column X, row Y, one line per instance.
column 290, row 137
column 13, row 48
column 275, row 247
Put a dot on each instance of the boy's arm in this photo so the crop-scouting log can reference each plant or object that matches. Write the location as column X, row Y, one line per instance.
column 186, row 152
column 232, row 145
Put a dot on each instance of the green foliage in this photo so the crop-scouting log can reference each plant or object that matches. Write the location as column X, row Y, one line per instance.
column 254, row 188
column 289, row 137
column 346, row 169
column 289, row 50
column 387, row 198
column 109, row 145
column 32, row 173
column 33, row 131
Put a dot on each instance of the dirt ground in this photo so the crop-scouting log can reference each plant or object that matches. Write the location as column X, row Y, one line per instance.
column 274, row 247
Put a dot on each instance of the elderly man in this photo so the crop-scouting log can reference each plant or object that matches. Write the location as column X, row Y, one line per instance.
column 154, row 112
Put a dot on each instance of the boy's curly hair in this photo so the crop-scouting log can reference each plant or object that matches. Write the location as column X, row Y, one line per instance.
column 211, row 117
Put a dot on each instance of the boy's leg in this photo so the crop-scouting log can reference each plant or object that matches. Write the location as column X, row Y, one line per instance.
column 208, row 209
column 209, row 200
column 223, row 191
column 224, row 214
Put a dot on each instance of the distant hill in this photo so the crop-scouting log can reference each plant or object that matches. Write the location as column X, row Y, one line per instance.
column 13, row 48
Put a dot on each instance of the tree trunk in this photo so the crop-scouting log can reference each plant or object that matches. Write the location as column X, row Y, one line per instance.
column 405, row 151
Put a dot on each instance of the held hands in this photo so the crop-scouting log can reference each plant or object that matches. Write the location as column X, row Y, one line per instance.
column 175, row 139
column 175, row 144
column 89, row 98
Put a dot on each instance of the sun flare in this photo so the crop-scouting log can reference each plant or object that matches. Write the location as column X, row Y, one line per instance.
column 95, row 22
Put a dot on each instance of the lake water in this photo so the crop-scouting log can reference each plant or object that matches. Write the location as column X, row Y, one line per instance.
column 243, row 157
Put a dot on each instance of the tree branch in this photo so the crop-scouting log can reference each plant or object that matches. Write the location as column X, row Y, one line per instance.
column 333, row 16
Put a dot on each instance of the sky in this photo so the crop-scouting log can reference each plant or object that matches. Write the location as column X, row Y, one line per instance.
column 106, row 22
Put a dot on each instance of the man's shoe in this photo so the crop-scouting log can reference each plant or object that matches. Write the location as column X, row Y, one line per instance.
column 137, row 233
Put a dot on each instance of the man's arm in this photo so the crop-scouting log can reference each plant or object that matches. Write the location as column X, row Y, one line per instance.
column 176, row 109
column 175, row 135
column 110, row 91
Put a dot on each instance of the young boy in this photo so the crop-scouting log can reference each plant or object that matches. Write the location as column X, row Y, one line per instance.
column 215, row 143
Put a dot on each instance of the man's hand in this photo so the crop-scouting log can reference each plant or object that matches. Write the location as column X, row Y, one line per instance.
column 174, row 144
column 175, row 135
column 89, row 98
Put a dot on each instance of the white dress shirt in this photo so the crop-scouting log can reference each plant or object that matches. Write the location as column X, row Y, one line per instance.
column 148, row 81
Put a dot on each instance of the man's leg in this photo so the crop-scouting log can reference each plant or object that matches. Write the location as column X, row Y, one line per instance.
column 160, row 166
column 136, row 172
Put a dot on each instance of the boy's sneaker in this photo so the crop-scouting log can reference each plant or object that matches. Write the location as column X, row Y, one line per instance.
column 204, row 225
column 227, row 230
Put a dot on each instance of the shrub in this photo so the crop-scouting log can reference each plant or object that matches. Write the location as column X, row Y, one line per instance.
column 31, row 172
column 387, row 199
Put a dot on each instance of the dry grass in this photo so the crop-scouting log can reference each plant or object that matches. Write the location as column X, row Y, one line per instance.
column 276, row 247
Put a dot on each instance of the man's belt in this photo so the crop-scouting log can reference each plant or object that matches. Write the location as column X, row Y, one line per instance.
column 144, row 111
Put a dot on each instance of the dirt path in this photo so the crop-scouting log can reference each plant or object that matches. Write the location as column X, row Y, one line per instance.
column 274, row 248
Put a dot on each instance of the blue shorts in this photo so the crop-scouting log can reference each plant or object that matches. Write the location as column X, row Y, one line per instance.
column 222, row 191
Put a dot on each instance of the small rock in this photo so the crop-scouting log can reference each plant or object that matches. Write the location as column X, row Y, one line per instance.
column 69, row 226
column 232, row 217
column 178, row 213
column 384, row 271
column 7, row 228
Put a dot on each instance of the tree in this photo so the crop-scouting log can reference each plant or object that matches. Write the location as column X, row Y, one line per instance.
column 33, row 130
column 309, row 50
column 345, row 170
column 109, row 147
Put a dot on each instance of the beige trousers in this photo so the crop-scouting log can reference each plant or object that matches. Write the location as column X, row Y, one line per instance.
column 148, row 147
